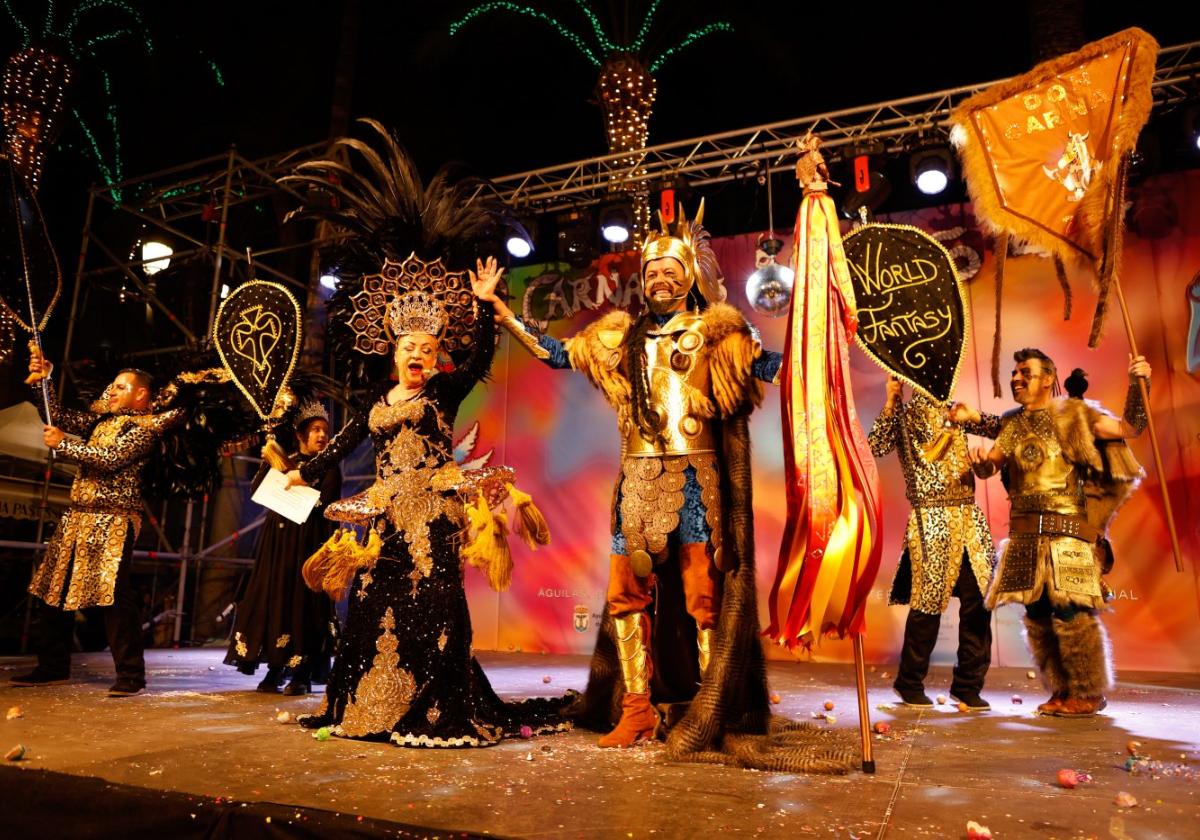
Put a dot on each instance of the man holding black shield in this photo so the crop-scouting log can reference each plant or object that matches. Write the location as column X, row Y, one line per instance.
column 947, row 544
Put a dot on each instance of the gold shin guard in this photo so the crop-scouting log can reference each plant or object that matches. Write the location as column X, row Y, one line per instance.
column 704, row 648
column 631, row 636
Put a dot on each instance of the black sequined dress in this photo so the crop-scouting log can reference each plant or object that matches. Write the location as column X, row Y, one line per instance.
column 403, row 668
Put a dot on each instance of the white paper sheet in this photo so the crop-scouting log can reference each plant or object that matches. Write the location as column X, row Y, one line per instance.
column 295, row 503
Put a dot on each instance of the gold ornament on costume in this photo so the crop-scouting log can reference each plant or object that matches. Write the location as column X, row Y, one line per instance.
column 689, row 244
column 258, row 333
column 413, row 296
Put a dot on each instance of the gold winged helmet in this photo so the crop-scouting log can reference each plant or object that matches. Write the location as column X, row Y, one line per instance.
column 689, row 244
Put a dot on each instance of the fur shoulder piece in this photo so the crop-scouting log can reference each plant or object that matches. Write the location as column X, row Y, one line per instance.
column 735, row 346
column 1110, row 471
column 596, row 352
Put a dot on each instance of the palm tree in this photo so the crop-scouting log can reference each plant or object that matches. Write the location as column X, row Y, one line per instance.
column 38, row 75
column 625, row 88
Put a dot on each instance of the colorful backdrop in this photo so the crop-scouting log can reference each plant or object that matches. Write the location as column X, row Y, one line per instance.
column 561, row 437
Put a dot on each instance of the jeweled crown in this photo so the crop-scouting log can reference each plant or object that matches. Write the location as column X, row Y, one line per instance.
column 416, row 312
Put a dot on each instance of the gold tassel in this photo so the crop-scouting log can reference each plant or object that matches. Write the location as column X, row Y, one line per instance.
column 274, row 455
column 1001, row 256
column 333, row 566
column 487, row 544
column 532, row 527
column 936, row 449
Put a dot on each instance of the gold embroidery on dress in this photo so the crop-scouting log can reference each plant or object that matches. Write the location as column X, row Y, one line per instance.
column 433, row 714
column 295, row 661
column 282, row 641
column 384, row 693
column 240, row 644
column 443, row 639
column 363, row 582
column 410, row 468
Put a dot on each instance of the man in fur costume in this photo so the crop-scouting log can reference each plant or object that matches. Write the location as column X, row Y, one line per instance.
column 1067, row 470
column 682, row 377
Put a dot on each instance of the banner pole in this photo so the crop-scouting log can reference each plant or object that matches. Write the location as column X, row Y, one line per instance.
column 1158, row 462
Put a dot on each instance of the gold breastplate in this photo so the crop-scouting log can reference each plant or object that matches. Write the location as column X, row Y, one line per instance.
column 1041, row 479
column 677, row 368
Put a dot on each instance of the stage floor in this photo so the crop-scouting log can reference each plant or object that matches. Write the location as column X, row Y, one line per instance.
column 201, row 729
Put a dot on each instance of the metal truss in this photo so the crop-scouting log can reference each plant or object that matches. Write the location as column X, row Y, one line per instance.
column 889, row 127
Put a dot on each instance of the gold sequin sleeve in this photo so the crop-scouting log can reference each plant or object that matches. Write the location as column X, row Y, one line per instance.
column 884, row 432
column 988, row 426
column 132, row 444
column 70, row 421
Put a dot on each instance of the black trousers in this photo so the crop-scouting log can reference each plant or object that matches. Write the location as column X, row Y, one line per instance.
column 122, row 625
column 974, row 639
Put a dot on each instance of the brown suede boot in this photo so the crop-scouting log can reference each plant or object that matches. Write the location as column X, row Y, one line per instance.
column 639, row 722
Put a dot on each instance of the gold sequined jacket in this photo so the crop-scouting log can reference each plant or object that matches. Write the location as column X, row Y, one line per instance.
column 79, row 568
column 945, row 524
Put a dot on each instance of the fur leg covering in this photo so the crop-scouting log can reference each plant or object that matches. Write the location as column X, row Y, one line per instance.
column 1086, row 655
column 1043, row 646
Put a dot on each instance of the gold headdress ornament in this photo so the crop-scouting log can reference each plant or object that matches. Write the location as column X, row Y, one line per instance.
column 689, row 244
column 416, row 312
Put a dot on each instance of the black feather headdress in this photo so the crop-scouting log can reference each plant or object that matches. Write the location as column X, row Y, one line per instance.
column 373, row 193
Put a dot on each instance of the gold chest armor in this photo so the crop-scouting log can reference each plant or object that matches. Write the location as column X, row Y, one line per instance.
column 677, row 368
column 1041, row 479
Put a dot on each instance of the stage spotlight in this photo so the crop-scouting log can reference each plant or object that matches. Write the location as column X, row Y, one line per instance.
column 615, row 224
column 517, row 240
column 930, row 170
column 877, row 192
column 330, row 280
column 1191, row 125
column 575, row 238
column 156, row 256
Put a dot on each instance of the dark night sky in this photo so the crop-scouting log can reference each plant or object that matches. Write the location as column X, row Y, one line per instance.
column 508, row 94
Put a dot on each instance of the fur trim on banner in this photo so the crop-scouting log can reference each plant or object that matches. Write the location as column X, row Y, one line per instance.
column 1098, row 219
column 1133, row 115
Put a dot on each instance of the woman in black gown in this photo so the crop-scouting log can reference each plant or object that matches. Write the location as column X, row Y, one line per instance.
column 280, row 621
column 403, row 669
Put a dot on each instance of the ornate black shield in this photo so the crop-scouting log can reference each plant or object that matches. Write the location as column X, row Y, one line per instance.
column 258, row 333
column 912, row 313
column 29, row 272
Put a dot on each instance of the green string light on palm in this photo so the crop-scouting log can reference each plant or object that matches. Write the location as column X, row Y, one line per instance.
column 626, row 87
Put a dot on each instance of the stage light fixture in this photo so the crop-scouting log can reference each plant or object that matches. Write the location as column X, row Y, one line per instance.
column 330, row 280
column 156, row 256
column 930, row 170
column 615, row 224
column 877, row 192
column 517, row 239
column 576, row 238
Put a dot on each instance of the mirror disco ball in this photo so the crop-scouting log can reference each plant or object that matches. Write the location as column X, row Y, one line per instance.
column 769, row 289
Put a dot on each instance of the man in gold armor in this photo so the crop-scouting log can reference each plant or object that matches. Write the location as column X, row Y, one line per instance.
column 1067, row 469
column 87, row 563
column 674, row 375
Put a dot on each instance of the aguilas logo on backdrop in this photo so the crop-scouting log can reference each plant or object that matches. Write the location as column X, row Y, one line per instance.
column 582, row 618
